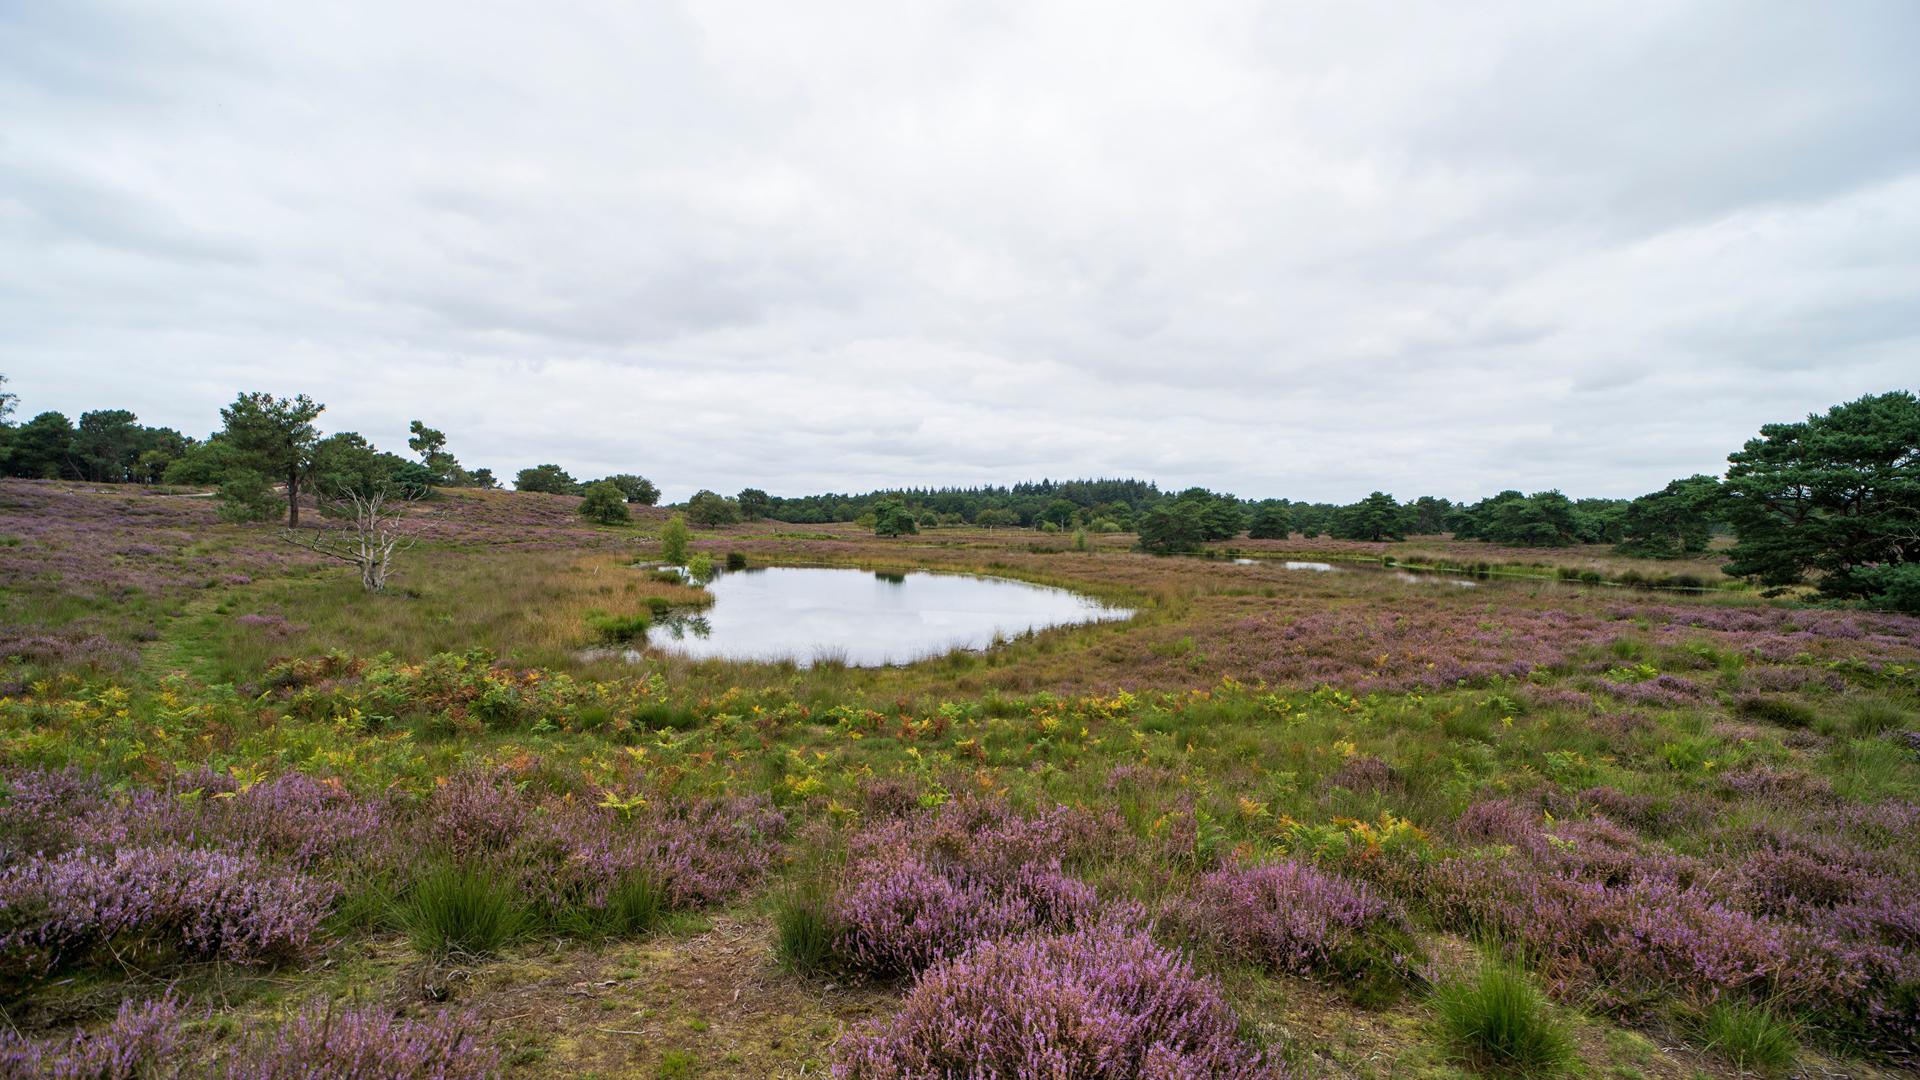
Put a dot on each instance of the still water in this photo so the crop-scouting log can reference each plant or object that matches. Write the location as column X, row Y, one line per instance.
column 863, row 618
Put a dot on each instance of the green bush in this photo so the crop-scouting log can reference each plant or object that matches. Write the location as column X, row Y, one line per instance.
column 453, row 909
column 673, row 540
column 1751, row 1037
column 1499, row 1021
column 605, row 504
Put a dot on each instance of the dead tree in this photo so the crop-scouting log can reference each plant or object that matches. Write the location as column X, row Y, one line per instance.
column 375, row 531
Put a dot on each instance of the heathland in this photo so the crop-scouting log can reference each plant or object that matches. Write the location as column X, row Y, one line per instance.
column 257, row 819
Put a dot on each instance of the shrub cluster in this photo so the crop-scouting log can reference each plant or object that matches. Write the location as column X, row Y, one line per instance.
column 918, row 890
column 1090, row 1003
column 146, row 1041
column 204, row 904
column 1302, row 920
column 1827, row 927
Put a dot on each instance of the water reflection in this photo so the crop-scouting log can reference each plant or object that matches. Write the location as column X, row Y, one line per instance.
column 865, row 619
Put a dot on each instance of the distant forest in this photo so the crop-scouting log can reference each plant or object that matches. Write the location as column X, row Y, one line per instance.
column 1836, row 496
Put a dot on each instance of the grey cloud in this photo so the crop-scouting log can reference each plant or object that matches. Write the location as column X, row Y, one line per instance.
column 1283, row 249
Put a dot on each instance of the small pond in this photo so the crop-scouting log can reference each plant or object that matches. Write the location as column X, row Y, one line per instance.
column 864, row 618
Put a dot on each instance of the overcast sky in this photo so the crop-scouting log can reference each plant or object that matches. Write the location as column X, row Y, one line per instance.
column 1301, row 250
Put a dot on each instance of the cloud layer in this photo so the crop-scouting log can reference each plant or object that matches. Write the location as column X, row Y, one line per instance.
column 1303, row 250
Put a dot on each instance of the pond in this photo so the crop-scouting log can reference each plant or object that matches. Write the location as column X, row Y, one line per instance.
column 866, row 619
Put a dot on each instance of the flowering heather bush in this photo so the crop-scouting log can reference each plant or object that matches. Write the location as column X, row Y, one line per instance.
column 696, row 851
column 142, row 1042
column 366, row 1043
column 566, row 853
column 37, row 807
column 66, row 649
column 1089, row 1004
column 208, row 904
column 1644, row 933
column 291, row 818
column 924, row 889
column 146, row 1042
column 1298, row 919
column 1660, row 692
column 989, row 836
column 473, row 814
column 271, row 625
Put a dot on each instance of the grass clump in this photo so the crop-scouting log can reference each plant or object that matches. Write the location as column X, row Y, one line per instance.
column 618, row 629
column 676, row 1065
column 1750, row 1036
column 633, row 907
column 1498, row 1021
column 454, row 909
column 1874, row 716
column 803, row 929
column 1782, row 712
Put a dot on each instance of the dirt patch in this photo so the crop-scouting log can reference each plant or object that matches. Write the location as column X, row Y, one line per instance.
column 707, row 1003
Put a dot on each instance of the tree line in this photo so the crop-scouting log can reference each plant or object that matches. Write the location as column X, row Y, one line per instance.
column 1834, row 498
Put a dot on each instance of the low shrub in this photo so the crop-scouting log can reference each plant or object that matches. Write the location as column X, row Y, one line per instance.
column 367, row 1043
column 197, row 903
column 142, row 1041
column 1095, row 1003
column 149, row 1041
column 1301, row 920
column 900, row 914
column 1498, row 1021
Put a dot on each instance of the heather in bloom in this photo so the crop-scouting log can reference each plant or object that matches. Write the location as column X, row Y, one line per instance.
column 1301, row 920
column 209, row 904
column 568, row 854
column 142, row 1042
column 921, row 890
column 366, row 1043
column 1095, row 1004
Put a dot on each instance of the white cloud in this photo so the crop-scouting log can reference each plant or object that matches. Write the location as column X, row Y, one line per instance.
column 1303, row 250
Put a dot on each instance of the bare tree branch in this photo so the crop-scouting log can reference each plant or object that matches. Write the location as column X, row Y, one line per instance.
column 377, row 531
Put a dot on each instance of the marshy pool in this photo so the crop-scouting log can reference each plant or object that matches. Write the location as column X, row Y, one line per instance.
column 865, row 618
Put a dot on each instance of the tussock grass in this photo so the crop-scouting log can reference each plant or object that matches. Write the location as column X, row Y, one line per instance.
column 459, row 910
column 634, row 907
column 803, row 928
column 1751, row 1036
column 1499, row 1021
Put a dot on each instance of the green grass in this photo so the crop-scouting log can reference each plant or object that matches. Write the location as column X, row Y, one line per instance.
column 635, row 906
column 1500, row 1022
column 1750, row 1036
column 803, row 929
column 618, row 629
column 676, row 1065
column 458, row 910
